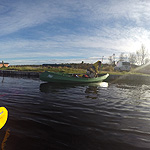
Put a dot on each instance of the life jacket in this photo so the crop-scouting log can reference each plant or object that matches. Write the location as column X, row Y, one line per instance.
column 85, row 76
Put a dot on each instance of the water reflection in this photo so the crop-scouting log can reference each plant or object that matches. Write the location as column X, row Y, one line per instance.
column 104, row 84
column 53, row 87
column 86, row 116
column 130, row 82
column 3, row 79
column 117, row 113
column 7, row 134
column 91, row 90
column 48, row 87
column 99, row 84
column 136, row 94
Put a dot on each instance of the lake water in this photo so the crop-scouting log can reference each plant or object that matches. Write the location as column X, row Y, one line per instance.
column 106, row 116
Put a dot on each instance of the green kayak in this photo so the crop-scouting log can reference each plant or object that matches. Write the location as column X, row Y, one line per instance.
column 69, row 78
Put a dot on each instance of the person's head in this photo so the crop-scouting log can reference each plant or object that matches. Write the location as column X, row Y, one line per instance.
column 99, row 62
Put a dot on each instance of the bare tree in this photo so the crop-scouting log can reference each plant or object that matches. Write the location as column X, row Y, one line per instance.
column 141, row 55
column 114, row 59
column 121, row 57
column 147, row 60
column 132, row 58
column 110, row 60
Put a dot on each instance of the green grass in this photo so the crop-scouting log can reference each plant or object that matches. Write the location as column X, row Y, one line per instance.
column 105, row 69
column 42, row 69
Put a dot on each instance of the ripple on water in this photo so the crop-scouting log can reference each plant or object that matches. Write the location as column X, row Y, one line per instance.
column 60, row 116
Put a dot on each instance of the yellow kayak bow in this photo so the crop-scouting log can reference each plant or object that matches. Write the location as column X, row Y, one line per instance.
column 3, row 116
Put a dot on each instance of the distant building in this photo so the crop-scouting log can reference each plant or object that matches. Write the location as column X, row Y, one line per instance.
column 2, row 64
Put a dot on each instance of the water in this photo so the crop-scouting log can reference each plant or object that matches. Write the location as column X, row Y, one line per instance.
column 75, row 117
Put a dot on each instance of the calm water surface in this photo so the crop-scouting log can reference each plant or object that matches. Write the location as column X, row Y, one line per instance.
column 74, row 117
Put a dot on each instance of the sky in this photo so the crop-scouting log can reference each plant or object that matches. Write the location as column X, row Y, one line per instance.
column 69, row 31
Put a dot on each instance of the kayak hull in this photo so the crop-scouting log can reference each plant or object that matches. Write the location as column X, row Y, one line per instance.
column 3, row 116
column 68, row 78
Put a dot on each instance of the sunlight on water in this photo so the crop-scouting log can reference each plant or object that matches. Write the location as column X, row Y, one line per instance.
column 100, row 84
column 103, row 84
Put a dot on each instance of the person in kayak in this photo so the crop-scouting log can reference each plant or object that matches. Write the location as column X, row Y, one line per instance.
column 94, row 70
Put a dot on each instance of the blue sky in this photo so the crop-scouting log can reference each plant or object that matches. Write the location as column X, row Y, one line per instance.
column 60, row 31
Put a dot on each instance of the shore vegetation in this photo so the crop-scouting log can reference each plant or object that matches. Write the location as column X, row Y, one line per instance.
column 73, row 68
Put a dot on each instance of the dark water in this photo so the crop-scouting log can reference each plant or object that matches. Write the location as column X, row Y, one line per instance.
column 74, row 117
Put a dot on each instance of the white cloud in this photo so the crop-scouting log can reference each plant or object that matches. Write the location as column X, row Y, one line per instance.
column 20, row 15
column 97, row 12
column 101, row 44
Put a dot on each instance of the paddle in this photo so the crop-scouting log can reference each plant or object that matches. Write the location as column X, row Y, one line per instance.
column 3, row 116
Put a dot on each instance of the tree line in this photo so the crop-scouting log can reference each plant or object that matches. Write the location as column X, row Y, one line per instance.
column 140, row 57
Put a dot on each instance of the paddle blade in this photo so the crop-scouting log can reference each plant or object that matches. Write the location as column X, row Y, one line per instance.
column 3, row 116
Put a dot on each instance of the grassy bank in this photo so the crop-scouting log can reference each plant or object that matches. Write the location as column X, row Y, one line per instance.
column 106, row 69
column 42, row 69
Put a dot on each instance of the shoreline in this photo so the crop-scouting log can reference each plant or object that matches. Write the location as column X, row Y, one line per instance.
column 111, row 78
column 13, row 73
